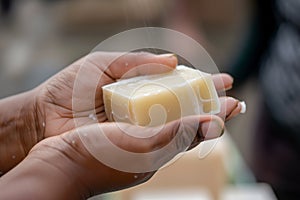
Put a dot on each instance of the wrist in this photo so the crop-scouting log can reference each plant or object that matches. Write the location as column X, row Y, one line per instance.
column 40, row 176
column 20, row 128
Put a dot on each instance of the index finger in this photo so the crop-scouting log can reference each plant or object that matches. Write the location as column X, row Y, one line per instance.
column 117, row 64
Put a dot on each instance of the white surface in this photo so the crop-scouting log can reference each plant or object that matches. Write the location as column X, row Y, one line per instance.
column 249, row 192
column 259, row 191
column 173, row 194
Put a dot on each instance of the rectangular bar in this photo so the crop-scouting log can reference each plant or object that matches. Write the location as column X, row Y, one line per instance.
column 157, row 99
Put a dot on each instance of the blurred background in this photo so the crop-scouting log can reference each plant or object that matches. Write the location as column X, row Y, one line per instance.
column 39, row 38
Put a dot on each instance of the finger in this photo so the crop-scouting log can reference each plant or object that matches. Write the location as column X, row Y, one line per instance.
column 118, row 65
column 230, row 107
column 237, row 110
column 147, row 148
column 189, row 131
column 222, row 81
column 146, row 139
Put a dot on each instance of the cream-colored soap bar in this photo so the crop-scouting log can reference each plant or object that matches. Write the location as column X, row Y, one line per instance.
column 156, row 99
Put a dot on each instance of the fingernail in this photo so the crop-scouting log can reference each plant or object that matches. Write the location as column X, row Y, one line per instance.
column 212, row 129
column 243, row 107
column 168, row 55
column 228, row 87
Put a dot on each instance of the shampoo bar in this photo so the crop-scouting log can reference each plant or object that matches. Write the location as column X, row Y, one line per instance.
column 153, row 100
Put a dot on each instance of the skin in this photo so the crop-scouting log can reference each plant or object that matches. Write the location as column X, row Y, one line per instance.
column 42, row 155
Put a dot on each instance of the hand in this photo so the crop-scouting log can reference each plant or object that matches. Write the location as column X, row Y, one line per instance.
column 64, row 160
column 100, row 68
column 55, row 97
column 47, row 110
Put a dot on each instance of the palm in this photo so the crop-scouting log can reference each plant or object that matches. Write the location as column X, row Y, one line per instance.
column 59, row 98
column 73, row 97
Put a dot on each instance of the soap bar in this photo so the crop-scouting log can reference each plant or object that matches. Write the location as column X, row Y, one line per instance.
column 153, row 100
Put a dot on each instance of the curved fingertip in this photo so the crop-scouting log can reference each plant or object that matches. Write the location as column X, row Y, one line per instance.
column 228, row 80
column 228, row 105
column 213, row 128
column 169, row 59
column 227, row 77
column 223, row 81
column 145, row 63
column 239, row 109
column 229, row 101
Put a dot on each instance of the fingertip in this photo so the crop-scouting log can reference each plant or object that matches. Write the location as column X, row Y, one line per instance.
column 228, row 81
column 154, row 64
column 239, row 109
column 227, row 77
column 223, row 81
column 142, row 63
column 169, row 59
column 212, row 128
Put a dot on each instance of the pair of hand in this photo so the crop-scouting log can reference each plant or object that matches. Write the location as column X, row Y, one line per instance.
column 41, row 146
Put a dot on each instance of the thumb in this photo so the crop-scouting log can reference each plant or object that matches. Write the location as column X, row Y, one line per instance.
column 137, row 149
column 188, row 132
column 109, row 156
